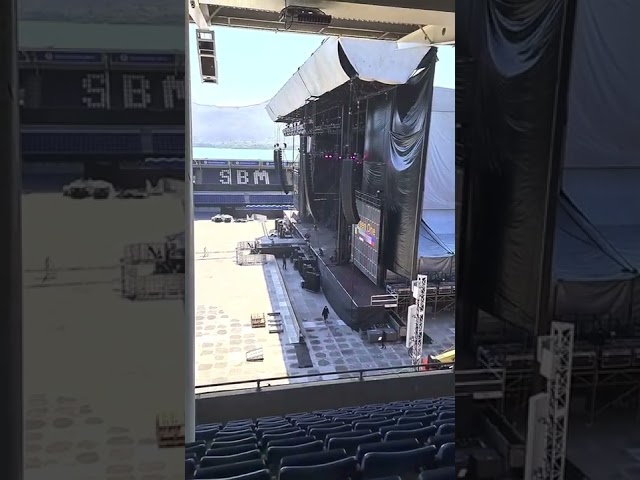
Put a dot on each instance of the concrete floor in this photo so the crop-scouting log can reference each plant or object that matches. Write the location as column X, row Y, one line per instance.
column 97, row 368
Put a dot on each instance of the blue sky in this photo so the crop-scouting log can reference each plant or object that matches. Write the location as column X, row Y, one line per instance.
column 254, row 64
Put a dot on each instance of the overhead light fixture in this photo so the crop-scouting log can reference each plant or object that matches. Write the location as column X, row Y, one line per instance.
column 304, row 15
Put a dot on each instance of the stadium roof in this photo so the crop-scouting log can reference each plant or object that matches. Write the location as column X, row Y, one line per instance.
column 100, row 37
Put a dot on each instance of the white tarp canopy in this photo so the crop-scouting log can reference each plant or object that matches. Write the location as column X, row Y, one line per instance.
column 437, row 233
column 373, row 61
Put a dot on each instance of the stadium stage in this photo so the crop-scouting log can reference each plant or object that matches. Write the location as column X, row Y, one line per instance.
column 348, row 290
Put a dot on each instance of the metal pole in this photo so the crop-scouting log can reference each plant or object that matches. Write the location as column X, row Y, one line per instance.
column 189, row 291
column 11, row 267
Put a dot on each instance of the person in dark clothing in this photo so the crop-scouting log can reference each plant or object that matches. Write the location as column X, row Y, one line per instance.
column 325, row 313
column 284, row 261
column 383, row 339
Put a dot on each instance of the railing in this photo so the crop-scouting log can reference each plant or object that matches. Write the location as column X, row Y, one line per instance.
column 361, row 374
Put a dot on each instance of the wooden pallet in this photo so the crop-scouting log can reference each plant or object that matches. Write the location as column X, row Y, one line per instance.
column 256, row 355
column 258, row 320
column 169, row 431
column 275, row 322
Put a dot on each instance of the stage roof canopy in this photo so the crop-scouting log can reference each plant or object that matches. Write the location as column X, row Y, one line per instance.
column 371, row 60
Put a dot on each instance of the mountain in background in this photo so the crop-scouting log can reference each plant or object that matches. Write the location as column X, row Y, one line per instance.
column 233, row 127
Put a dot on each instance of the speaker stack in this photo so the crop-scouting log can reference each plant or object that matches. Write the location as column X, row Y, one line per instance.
column 207, row 55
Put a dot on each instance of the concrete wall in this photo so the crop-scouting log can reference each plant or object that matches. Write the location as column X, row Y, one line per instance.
column 280, row 400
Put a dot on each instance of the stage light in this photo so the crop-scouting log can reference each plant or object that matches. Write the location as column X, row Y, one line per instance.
column 304, row 15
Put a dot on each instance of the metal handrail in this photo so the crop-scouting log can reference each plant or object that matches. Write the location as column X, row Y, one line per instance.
column 361, row 374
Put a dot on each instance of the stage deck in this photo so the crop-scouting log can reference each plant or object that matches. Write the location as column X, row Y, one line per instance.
column 320, row 237
column 359, row 287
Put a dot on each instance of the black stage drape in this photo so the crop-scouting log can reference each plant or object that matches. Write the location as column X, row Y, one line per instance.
column 397, row 132
column 515, row 48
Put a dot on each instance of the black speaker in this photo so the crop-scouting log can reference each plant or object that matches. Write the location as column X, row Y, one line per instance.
column 347, row 192
column 207, row 55
column 280, row 171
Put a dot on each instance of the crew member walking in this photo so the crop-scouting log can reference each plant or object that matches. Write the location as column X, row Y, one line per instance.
column 284, row 261
column 325, row 313
column 383, row 339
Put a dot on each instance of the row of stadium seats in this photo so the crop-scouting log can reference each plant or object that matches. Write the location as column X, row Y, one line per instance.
column 395, row 441
column 239, row 199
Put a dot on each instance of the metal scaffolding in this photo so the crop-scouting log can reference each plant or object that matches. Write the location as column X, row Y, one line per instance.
column 558, row 396
column 420, row 294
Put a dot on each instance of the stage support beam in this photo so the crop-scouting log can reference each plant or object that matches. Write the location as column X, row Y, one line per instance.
column 199, row 14
column 189, row 291
column 553, row 181
column 11, row 464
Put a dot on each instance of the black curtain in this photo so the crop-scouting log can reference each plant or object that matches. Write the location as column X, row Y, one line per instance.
column 515, row 49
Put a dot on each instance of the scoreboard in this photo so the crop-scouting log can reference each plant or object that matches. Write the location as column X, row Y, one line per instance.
column 102, row 88
column 236, row 178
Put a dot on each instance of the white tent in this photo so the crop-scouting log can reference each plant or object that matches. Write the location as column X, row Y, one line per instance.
column 437, row 234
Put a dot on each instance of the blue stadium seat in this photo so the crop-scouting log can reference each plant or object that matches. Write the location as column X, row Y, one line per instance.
column 446, row 429
column 194, row 444
column 224, row 471
column 276, row 430
column 189, row 468
column 206, row 435
column 420, row 434
column 321, row 432
column 424, row 419
column 439, row 440
column 354, row 433
column 446, row 456
column 375, row 425
column 351, row 418
column 219, row 451
column 259, row 475
column 306, row 424
column 235, row 443
column 444, row 421
column 268, row 437
column 275, row 454
column 406, row 426
column 398, row 463
column 313, row 458
column 343, row 469
column 232, row 437
column 446, row 415
column 192, row 456
column 290, row 442
column 208, row 426
column 351, row 444
column 445, row 473
column 394, row 446
column 198, row 450
column 211, row 461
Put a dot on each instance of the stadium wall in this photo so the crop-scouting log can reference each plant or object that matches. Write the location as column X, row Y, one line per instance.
column 281, row 400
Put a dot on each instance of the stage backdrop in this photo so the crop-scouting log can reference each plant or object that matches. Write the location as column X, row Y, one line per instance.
column 406, row 115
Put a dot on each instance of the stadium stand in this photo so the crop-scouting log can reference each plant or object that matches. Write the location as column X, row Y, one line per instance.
column 394, row 441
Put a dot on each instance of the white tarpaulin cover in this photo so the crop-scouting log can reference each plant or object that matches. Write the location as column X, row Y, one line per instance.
column 437, row 235
column 597, row 256
column 373, row 60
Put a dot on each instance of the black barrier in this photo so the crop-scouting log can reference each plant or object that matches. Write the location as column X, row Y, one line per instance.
column 338, row 297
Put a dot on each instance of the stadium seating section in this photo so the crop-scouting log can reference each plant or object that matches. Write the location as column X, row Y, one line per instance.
column 395, row 441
